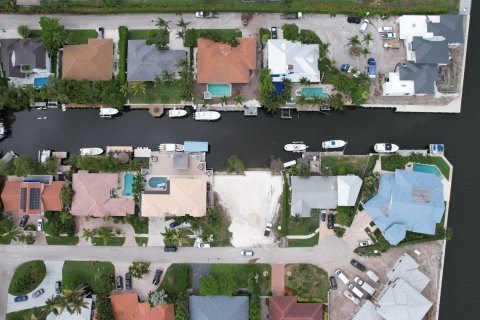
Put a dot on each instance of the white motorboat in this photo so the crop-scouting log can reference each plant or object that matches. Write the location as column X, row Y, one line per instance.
column 108, row 112
column 177, row 113
column 2, row 130
column 91, row 151
column 206, row 115
column 296, row 146
column 171, row 147
column 43, row 155
column 333, row 144
column 386, row 148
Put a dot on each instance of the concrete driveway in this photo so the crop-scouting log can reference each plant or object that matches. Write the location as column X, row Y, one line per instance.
column 156, row 226
column 54, row 274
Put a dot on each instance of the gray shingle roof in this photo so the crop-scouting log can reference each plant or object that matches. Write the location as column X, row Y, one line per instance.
column 218, row 308
column 146, row 61
column 407, row 269
column 27, row 52
column 427, row 51
column 450, row 27
column 423, row 75
column 313, row 193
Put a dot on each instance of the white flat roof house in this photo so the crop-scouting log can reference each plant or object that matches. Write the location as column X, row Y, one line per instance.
column 293, row 60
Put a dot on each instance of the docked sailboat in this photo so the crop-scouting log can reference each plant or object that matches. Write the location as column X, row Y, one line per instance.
column 333, row 144
column 296, row 146
column 108, row 112
column 177, row 113
column 91, row 151
column 386, row 148
column 170, row 147
column 206, row 115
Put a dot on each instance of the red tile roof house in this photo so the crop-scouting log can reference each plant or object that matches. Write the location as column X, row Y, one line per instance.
column 32, row 196
column 287, row 308
column 98, row 195
column 126, row 307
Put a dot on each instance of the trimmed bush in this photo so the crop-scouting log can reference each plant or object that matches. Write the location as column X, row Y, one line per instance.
column 122, row 54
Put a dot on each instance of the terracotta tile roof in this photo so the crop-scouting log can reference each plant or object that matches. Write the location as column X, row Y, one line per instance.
column 221, row 63
column 51, row 196
column 92, row 196
column 287, row 308
column 126, row 307
column 92, row 61
column 11, row 196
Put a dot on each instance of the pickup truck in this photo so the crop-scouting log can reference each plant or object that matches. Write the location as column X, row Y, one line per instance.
column 268, row 229
column 365, row 286
column 385, row 29
column 372, row 68
column 291, row 16
column 389, row 36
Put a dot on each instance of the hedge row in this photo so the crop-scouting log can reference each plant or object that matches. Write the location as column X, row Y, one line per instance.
column 122, row 54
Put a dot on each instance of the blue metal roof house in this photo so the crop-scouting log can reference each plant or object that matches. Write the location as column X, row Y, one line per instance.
column 407, row 201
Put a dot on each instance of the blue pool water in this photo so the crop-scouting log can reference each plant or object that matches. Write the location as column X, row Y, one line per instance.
column 314, row 93
column 220, row 89
column 158, row 182
column 427, row 169
column 128, row 184
column 40, row 82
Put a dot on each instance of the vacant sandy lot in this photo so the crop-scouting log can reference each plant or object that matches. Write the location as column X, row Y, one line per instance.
column 251, row 200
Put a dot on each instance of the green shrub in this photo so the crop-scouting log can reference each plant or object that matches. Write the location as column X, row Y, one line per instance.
column 339, row 231
column 285, row 208
column 235, row 164
column 152, row 33
column 122, row 54
column 264, row 34
column 345, row 216
column 291, row 31
column 190, row 38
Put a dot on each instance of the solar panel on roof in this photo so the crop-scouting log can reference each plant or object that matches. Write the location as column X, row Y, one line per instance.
column 23, row 199
column 34, row 199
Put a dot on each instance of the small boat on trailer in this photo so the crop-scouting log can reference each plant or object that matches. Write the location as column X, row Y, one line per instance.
column 333, row 144
column 91, row 151
column 386, row 148
column 177, row 113
column 171, row 147
column 296, row 146
column 108, row 112
column 206, row 115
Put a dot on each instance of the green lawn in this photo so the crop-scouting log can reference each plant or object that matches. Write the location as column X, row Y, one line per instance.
column 240, row 273
column 302, row 226
column 112, row 241
column 66, row 241
column 309, row 282
column 390, row 163
column 138, row 34
column 27, row 314
column 79, row 36
column 310, row 242
column 218, row 35
column 39, row 271
column 94, row 273
column 5, row 240
column 141, row 241
column 158, row 94
column 178, row 278
column 341, row 165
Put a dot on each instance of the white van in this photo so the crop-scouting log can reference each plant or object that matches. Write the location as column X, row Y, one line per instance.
column 341, row 276
column 364, row 26
column 372, row 275
column 355, row 290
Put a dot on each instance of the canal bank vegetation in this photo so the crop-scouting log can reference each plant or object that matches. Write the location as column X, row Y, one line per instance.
column 393, row 7
column 268, row 97
column 103, row 164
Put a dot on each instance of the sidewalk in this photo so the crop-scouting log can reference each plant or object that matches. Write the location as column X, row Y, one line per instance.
column 278, row 279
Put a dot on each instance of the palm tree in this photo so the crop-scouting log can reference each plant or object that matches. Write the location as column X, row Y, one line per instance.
column 74, row 299
column 182, row 24
column 324, row 49
column 138, row 88
column 24, row 31
column 335, row 102
column 224, row 100
column 180, row 34
column 365, row 52
column 104, row 233
column 167, row 77
column 125, row 89
column 11, row 232
column 179, row 237
column 182, row 64
column 302, row 100
column 367, row 37
column 238, row 100
column 158, row 81
column 161, row 23
column 76, row 305
column 87, row 234
column 51, row 305
column 304, row 81
column 354, row 41
column 65, row 217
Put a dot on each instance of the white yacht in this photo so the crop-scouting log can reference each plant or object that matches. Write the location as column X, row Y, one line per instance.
column 91, row 151
column 206, row 115
column 295, row 146
column 386, row 148
column 177, row 113
column 333, row 144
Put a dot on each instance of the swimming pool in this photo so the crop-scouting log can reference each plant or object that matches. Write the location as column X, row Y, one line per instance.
column 220, row 89
column 40, row 82
column 128, row 184
column 314, row 93
column 427, row 169
column 158, row 183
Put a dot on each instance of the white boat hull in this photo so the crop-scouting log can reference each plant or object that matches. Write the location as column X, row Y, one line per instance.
column 177, row 113
column 206, row 115
column 295, row 147
column 333, row 144
column 91, row 151
column 170, row 147
column 108, row 112
column 386, row 148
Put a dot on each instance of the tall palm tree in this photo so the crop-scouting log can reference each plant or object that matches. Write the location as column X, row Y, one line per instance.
column 88, row 234
column 138, row 88
column 51, row 305
column 161, row 23
column 180, row 34
column 167, row 77
column 324, row 49
column 182, row 24
column 365, row 52
column 302, row 100
column 75, row 299
column 182, row 64
column 104, row 233
column 354, row 41
column 65, row 217
column 158, row 81
column 238, row 99
column 224, row 100
column 304, row 81
column 125, row 89
column 180, row 237
column 336, row 102
column 367, row 38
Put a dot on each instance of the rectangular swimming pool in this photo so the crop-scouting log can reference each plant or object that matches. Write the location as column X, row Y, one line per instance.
column 40, row 82
column 220, row 89
column 128, row 184
column 427, row 169
column 314, row 93
column 158, row 183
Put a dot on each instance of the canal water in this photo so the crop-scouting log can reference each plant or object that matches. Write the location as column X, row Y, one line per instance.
column 256, row 139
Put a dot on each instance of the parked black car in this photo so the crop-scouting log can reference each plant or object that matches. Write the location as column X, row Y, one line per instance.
column 358, row 265
column 156, row 278
column 173, row 224
column 273, row 30
column 24, row 221
column 333, row 283
column 128, row 281
column 119, row 282
column 58, row 287
column 330, row 221
column 353, row 19
column 170, row 249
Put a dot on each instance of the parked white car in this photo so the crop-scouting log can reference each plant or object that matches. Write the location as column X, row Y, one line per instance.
column 389, row 36
column 364, row 25
column 385, row 29
column 365, row 243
